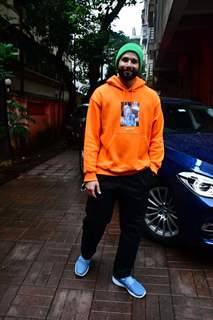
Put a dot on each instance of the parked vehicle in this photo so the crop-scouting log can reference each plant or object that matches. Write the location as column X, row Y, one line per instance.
column 180, row 207
column 180, row 204
column 76, row 125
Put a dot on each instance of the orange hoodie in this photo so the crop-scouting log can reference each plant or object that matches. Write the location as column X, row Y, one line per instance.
column 124, row 130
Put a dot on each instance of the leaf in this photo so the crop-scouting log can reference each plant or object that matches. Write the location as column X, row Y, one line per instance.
column 18, row 119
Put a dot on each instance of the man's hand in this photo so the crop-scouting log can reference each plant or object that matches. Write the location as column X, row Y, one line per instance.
column 93, row 188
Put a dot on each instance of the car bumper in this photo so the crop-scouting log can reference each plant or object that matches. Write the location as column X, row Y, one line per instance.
column 196, row 214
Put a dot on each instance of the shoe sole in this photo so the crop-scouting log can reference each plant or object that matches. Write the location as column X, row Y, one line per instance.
column 81, row 275
column 119, row 284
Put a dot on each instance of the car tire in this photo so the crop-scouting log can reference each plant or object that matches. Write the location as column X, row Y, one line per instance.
column 161, row 221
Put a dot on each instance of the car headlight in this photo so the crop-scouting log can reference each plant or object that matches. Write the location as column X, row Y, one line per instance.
column 198, row 183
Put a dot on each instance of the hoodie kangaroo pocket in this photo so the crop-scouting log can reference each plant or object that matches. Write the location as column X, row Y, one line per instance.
column 125, row 150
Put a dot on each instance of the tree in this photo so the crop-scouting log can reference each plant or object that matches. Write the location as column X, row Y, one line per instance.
column 72, row 30
column 47, row 23
column 13, row 116
column 91, row 46
column 116, row 40
column 18, row 123
column 7, row 53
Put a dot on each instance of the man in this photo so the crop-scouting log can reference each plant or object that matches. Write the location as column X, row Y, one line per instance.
column 120, row 159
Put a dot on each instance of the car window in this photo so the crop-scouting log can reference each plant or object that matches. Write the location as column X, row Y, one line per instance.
column 204, row 116
column 177, row 118
column 187, row 118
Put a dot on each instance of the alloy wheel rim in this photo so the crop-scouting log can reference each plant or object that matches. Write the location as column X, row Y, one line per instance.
column 161, row 217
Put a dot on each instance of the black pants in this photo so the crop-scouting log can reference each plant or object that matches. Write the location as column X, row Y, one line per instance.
column 132, row 194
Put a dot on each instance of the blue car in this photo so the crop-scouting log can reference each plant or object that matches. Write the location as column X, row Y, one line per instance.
column 180, row 204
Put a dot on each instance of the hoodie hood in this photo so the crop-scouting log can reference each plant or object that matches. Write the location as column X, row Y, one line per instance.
column 116, row 82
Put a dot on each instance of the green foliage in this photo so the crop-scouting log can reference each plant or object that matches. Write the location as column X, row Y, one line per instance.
column 18, row 122
column 90, row 46
column 18, row 125
column 116, row 40
column 49, row 21
column 7, row 53
column 18, row 119
column 77, row 29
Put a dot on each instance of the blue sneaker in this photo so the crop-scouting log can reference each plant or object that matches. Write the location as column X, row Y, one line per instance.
column 131, row 285
column 82, row 266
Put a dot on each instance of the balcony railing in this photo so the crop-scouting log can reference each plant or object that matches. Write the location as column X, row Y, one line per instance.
column 151, row 33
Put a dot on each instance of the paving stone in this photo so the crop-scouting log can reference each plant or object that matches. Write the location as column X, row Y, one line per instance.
column 5, row 248
column 183, row 283
column 150, row 257
column 157, row 289
column 155, row 278
column 82, row 284
column 101, row 295
column 111, row 306
column 33, row 291
column 54, row 252
column 24, row 251
column 19, row 318
column 14, row 272
column 11, row 233
column 138, row 309
column 39, row 312
column 96, row 315
column 166, row 308
column 71, row 304
column 201, row 284
column 7, row 295
column 31, row 302
column 66, row 233
column 104, row 276
column 40, row 231
column 152, row 310
column 45, row 274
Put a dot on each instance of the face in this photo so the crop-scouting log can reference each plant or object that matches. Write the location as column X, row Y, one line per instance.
column 128, row 66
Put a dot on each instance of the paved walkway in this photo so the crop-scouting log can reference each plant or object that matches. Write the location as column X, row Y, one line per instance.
column 40, row 232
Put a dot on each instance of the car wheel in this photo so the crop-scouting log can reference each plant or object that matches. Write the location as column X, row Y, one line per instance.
column 161, row 221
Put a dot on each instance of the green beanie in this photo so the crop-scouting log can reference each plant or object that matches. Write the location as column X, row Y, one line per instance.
column 133, row 47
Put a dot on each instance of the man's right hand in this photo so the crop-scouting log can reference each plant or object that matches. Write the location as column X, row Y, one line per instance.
column 93, row 188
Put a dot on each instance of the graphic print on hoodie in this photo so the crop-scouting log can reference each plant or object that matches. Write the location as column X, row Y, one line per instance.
column 129, row 114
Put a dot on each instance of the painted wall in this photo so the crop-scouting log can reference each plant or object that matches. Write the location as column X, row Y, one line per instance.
column 41, row 89
column 184, row 61
column 195, row 69
column 48, row 116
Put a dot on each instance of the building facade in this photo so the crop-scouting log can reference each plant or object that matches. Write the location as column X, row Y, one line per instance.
column 147, row 40
column 36, row 82
column 181, row 47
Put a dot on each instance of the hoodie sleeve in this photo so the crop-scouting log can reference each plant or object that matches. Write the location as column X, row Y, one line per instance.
column 92, row 140
column 156, row 148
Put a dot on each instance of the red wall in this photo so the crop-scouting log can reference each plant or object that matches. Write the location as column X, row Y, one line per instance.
column 191, row 75
column 48, row 116
column 196, row 69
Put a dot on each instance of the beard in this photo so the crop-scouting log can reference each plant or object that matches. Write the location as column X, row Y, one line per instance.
column 127, row 74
